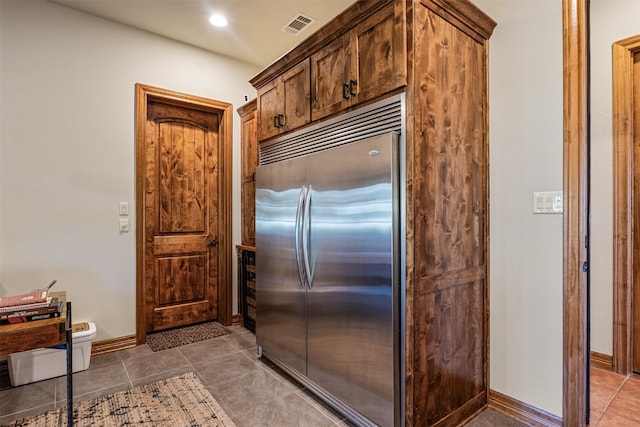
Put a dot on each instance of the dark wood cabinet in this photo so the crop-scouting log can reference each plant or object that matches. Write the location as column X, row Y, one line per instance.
column 284, row 103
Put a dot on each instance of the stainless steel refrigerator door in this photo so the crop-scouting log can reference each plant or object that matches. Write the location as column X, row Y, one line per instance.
column 280, row 294
column 351, row 306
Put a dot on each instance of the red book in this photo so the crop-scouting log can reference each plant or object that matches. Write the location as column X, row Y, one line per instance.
column 34, row 297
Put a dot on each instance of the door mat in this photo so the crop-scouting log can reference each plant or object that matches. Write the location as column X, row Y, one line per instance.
column 176, row 337
column 177, row 401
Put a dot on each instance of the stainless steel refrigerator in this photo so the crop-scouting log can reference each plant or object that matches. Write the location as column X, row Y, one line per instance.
column 327, row 271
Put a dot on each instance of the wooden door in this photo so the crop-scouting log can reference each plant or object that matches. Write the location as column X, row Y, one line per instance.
column 183, row 210
column 181, row 216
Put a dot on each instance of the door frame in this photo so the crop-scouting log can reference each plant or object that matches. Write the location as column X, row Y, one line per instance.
column 623, row 196
column 575, row 28
column 145, row 94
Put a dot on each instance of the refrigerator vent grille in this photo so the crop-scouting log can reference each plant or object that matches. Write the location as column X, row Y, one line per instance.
column 376, row 119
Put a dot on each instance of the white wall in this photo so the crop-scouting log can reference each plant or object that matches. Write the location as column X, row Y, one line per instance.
column 525, row 156
column 67, row 143
column 611, row 20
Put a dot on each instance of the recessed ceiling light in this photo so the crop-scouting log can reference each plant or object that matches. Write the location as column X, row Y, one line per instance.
column 218, row 20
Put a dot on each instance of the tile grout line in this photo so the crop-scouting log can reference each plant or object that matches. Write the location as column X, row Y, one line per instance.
column 126, row 371
column 613, row 397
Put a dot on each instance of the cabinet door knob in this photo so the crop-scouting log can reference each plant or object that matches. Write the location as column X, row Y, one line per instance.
column 277, row 121
column 345, row 88
column 352, row 83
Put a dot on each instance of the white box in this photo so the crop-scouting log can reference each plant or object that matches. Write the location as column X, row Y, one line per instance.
column 36, row 365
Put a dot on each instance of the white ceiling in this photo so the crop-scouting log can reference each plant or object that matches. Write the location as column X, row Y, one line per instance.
column 254, row 32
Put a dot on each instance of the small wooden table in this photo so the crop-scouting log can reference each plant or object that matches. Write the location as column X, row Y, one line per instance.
column 43, row 333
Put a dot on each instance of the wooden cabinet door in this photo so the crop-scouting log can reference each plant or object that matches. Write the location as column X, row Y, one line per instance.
column 450, row 200
column 365, row 63
column 269, row 106
column 378, row 60
column 296, row 97
column 249, row 161
column 330, row 70
column 285, row 103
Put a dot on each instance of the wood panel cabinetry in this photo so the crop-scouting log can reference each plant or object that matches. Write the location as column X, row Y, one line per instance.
column 284, row 103
column 246, row 251
column 436, row 52
column 249, row 163
column 363, row 64
column 365, row 59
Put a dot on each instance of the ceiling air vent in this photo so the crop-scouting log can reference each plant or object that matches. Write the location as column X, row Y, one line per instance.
column 297, row 24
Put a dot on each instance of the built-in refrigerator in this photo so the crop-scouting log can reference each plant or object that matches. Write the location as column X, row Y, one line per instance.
column 327, row 272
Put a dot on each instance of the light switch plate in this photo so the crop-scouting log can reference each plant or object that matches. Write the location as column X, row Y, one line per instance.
column 124, row 225
column 547, row 202
column 124, row 208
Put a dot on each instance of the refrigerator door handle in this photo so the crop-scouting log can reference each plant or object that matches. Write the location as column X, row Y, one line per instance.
column 306, row 237
column 298, row 233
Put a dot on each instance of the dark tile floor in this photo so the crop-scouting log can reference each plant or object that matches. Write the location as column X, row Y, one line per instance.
column 252, row 391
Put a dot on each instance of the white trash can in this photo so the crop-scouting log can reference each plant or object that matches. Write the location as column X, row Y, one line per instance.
column 44, row 363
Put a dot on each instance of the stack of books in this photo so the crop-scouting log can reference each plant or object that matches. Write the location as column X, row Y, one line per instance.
column 34, row 305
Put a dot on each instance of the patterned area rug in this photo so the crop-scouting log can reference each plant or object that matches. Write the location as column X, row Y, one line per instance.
column 177, row 401
column 176, row 337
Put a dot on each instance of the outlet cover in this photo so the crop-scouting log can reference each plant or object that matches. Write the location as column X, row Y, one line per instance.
column 547, row 202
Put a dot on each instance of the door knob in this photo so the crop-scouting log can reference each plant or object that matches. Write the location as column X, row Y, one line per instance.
column 213, row 242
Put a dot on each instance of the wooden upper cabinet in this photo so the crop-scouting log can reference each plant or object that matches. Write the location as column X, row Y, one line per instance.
column 361, row 65
column 330, row 77
column 284, row 103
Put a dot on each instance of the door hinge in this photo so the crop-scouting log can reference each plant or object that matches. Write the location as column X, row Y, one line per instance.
column 585, row 266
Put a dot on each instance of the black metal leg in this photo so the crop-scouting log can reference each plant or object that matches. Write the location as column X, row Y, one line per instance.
column 69, row 333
